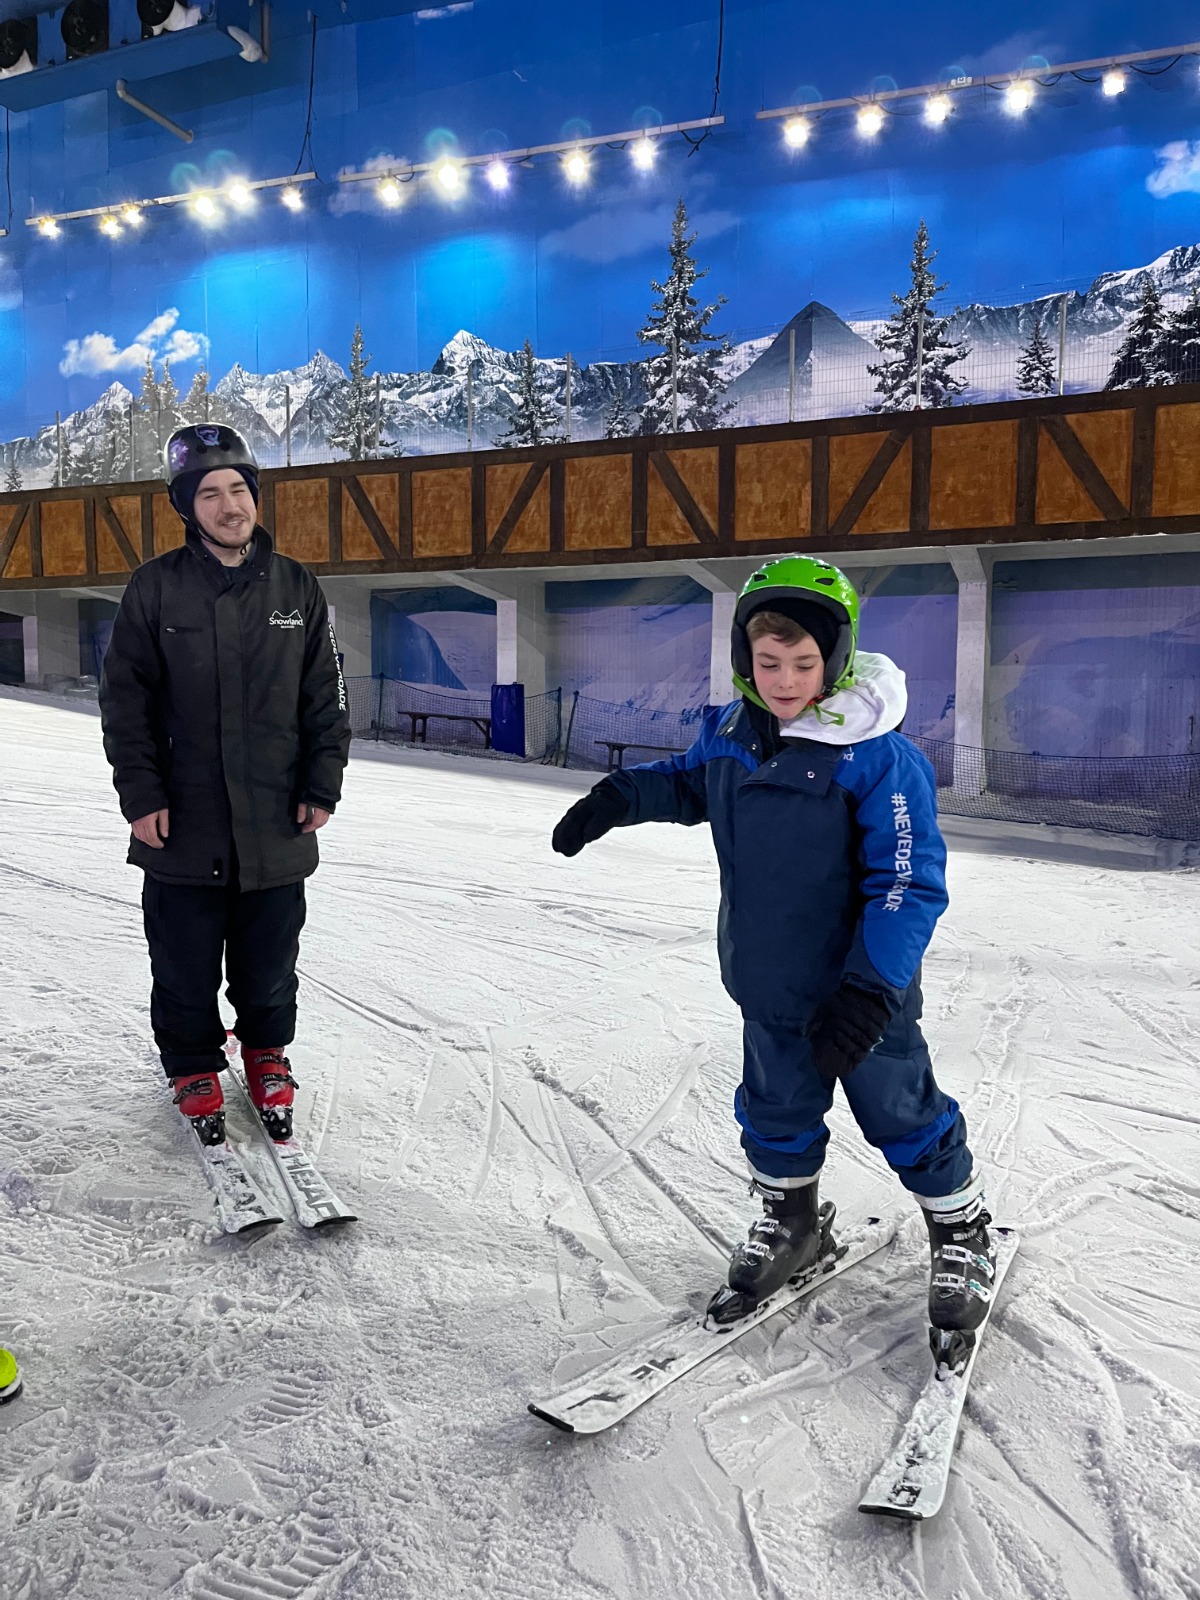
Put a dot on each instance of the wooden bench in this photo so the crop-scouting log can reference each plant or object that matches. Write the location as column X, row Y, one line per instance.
column 617, row 747
column 419, row 724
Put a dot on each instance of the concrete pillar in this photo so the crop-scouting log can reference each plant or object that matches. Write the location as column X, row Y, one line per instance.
column 350, row 604
column 522, row 637
column 972, row 660
column 50, row 632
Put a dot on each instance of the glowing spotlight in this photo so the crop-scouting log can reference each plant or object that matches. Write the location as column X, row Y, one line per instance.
column 644, row 154
column 205, row 207
column 131, row 216
column 497, row 175
column 110, row 227
column 48, row 228
column 1114, row 82
column 1018, row 97
column 292, row 198
column 577, row 166
column 797, row 131
column 448, row 176
column 390, row 192
column 937, row 109
column 240, row 194
column 870, row 121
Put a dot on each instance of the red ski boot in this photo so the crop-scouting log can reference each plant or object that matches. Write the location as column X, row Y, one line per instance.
column 272, row 1089
column 199, row 1097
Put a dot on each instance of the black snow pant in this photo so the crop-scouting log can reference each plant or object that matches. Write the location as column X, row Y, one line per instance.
column 189, row 930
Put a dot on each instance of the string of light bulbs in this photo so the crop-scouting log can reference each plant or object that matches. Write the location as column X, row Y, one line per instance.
column 1018, row 91
column 450, row 174
column 209, row 205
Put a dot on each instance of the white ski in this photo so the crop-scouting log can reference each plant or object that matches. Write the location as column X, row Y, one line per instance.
column 311, row 1194
column 911, row 1483
column 609, row 1393
column 241, row 1204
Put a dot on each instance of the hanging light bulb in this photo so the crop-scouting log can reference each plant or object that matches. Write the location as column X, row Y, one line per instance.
column 870, row 120
column 390, row 192
column 48, row 228
column 1018, row 97
column 292, row 198
column 449, row 178
column 1114, row 82
column 937, row 109
column 205, row 207
column 577, row 166
column 110, row 227
column 240, row 194
column 131, row 216
column 644, row 153
column 497, row 175
column 797, row 131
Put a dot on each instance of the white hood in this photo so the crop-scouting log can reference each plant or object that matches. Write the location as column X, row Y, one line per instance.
column 874, row 703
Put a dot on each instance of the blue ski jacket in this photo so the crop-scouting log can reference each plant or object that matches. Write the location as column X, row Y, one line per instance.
column 832, row 866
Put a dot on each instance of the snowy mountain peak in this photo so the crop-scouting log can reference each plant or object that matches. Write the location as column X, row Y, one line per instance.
column 466, row 350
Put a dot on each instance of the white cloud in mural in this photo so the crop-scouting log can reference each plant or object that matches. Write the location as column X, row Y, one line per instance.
column 435, row 13
column 10, row 287
column 616, row 233
column 1178, row 170
column 160, row 340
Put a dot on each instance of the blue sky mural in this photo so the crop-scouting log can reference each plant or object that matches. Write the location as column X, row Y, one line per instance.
column 1018, row 208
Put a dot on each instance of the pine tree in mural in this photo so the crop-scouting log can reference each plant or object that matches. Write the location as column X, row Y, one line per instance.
column 916, row 336
column 537, row 417
column 620, row 420
column 198, row 406
column 147, row 449
column 1176, row 357
column 1035, row 365
column 689, row 398
column 1137, row 365
column 354, row 427
column 12, row 478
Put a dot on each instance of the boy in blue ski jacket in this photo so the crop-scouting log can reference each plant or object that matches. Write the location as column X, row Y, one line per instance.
column 832, row 879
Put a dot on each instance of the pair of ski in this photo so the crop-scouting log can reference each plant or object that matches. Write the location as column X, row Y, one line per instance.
column 912, row 1481
column 243, row 1205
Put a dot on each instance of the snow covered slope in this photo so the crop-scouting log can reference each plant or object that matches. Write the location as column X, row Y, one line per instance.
column 519, row 1070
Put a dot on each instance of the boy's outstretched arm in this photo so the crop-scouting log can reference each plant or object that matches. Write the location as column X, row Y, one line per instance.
column 660, row 791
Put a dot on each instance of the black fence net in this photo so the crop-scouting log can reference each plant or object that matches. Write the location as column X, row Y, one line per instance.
column 389, row 710
column 602, row 737
column 1157, row 796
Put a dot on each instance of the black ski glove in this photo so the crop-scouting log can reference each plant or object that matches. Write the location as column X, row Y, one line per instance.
column 845, row 1029
column 590, row 819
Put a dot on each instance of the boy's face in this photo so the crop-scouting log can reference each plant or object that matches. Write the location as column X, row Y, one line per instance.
column 787, row 676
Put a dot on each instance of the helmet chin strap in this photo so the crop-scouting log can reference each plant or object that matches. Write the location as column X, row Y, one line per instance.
column 213, row 545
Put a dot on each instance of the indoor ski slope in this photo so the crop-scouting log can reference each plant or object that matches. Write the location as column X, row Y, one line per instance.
column 520, row 1069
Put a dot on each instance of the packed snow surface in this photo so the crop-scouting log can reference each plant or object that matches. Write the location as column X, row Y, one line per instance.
column 519, row 1069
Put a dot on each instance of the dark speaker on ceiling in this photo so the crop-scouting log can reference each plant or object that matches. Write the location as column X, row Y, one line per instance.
column 85, row 28
column 18, row 46
column 154, row 15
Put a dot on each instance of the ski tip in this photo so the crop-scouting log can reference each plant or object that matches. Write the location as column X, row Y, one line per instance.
column 547, row 1416
column 874, row 1508
column 333, row 1222
column 249, row 1230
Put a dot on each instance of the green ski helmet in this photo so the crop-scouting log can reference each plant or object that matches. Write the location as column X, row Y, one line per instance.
column 796, row 578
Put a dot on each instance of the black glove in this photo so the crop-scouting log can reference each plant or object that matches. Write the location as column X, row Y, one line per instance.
column 845, row 1029
column 590, row 819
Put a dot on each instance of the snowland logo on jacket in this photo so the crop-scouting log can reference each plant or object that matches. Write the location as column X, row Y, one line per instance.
column 904, row 843
column 292, row 620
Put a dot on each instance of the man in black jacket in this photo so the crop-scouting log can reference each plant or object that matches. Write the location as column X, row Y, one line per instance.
column 224, row 714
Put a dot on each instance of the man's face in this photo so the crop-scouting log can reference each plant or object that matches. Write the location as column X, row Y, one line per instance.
column 787, row 676
column 224, row 508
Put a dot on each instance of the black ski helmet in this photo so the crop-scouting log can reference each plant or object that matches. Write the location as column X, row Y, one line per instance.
column 202, row 447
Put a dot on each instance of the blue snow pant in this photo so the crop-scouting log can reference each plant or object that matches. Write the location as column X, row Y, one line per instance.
column 782, row 1102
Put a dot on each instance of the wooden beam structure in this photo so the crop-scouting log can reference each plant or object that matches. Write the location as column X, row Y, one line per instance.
column 1075, row 467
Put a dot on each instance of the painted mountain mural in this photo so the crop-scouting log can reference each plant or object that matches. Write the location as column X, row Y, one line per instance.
column 817, row 365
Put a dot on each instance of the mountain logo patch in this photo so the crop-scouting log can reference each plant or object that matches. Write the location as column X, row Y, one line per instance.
column 292, row 620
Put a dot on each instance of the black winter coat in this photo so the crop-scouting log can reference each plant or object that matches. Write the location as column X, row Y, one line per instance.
column 223, row 702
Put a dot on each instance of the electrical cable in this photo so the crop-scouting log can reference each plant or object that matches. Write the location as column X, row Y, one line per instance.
column 8, row 168
column 696, row 143
column 312, row 73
